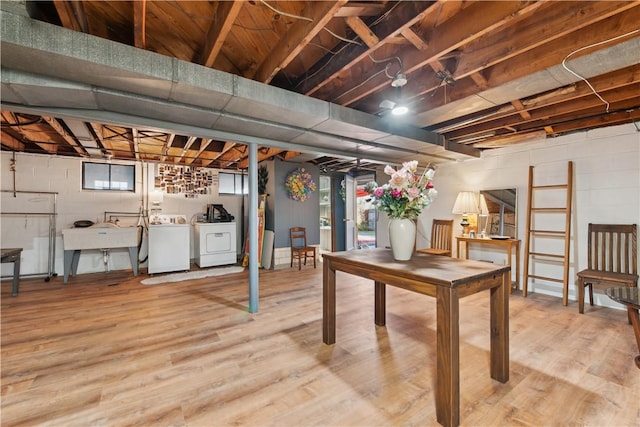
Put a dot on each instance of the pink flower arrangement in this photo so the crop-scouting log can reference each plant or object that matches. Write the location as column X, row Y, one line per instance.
column 407, row 193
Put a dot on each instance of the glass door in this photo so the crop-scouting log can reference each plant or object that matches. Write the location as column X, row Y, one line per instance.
column 325, row 214
column 367, row 214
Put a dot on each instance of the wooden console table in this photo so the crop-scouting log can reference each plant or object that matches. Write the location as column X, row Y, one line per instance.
column 447, row 279
column 13, row 255
column 508, row 244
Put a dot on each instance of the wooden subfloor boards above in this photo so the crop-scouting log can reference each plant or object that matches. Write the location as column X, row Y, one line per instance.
column 106, row 350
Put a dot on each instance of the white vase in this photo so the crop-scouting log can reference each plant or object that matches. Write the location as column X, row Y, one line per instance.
column 402, row 235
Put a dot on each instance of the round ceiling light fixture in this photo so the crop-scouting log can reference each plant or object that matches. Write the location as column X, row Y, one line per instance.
column 399, row 80
column 399, row 110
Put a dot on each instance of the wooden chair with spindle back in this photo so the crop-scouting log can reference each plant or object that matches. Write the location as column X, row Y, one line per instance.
column 441, row 238
column 299, row 248
column 612, row 259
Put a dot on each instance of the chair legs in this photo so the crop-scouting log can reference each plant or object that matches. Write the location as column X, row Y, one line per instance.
column 580, row 285
column 300, row 255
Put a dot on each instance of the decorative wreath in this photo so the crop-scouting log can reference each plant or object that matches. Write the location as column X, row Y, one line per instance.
column 299, row 185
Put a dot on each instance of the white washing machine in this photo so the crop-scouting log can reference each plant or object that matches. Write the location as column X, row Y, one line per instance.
column 169, row 244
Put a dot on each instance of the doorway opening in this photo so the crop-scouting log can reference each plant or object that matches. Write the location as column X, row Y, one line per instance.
column 366, row 214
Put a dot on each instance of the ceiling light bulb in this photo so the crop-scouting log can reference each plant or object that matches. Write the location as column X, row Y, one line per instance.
column 400, row 110
column 399, row 80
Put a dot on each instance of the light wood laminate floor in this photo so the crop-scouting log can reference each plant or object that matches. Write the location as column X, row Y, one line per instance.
column 105, row 350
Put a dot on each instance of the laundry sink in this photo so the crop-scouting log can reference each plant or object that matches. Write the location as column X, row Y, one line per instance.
column 99, row 236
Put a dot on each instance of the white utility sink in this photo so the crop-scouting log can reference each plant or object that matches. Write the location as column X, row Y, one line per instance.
column 99, row 237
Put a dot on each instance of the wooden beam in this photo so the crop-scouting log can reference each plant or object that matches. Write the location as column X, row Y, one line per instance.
column 501, row 141
column 363, row 31
column 136, row 143
column 12, row 143
column 520, row 109
column 553, row 17
column 616, row 86
column 473, row 22
column 404, row 15
column 139, row 23
column 413, row 38
column 165, row 149
column 262, row 155
column 216, row 35
column 540, row 58
column 64, row 134
column 72, row 15
column 297, row 38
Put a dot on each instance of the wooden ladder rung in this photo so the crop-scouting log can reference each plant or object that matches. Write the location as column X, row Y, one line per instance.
column 546, row 255
column 551, row 232
column 550, row 187
column 550, row 279
column 549, row 210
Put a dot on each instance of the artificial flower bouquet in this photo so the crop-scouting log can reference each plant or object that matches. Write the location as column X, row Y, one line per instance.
column 407, row 193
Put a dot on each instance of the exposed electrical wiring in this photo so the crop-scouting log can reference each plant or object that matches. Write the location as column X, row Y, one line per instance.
column 386, row 68
column 290, row 15
column 319, row 46
column 357, row 86
column 564, row 63
column 244, row 27
column 376, row 22
column 326, row 64
column 341, row 38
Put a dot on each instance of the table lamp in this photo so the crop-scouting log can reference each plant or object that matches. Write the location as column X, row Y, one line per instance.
column 465, row 204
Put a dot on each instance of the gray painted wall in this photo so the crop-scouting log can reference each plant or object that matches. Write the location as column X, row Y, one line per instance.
column 289, row 213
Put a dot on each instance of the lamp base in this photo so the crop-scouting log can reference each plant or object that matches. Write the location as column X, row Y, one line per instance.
column 465, row 226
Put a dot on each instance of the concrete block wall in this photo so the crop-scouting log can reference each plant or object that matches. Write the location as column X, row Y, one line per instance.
column 63, row 175
column 606, row 189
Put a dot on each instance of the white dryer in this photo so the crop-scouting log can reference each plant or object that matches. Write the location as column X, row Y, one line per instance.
column 215, row 243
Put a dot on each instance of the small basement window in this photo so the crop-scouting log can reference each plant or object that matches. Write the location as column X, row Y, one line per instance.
column 105, row 176
column 232, row 183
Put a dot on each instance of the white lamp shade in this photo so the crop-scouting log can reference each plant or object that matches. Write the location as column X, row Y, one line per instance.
column 466, row 203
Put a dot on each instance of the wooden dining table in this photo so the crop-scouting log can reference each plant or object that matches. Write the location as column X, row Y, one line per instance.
column 447, row 279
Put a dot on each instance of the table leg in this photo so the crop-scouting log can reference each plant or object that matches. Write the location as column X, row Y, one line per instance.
column 133, row 256
column 75, row 262
column 328, row 303
column 500, row 329
column 68, row 260
column 517, row 264
column 16, row 276
column 635, row 322
column 447, row 357
column 380, row 303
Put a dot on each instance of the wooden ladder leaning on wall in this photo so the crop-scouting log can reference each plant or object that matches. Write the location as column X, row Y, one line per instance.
column 531, row 256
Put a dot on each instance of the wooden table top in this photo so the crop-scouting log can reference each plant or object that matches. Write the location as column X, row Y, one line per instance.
column 439, row 270
column 10, row 252
column 625, row 295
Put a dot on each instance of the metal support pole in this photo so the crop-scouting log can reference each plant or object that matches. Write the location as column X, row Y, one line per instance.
column 253, row 228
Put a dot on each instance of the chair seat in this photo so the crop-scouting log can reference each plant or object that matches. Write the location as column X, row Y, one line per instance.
column 607, row 276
